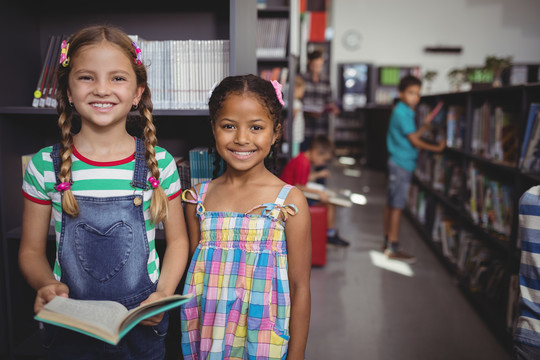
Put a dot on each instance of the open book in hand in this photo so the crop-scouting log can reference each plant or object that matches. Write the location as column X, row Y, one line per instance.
column 108, row 321
column 334, row 198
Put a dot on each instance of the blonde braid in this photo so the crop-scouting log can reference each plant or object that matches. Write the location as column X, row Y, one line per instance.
column 159, row 205
column 69, row 203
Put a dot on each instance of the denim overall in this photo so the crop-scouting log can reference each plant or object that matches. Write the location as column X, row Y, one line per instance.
column 103, row 254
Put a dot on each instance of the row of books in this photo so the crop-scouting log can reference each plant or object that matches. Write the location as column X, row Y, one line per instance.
column 489, row 202
column 45, row 93
column 530, row 151
column 272, row 35
column 494, row 133
column 478, row 267
column 182, row 72
column 447, row 176
column 484, row 271
column 449, row 123
column 201, row 165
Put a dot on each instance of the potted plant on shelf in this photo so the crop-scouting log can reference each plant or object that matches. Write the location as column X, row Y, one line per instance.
column 429, row 76
column 457, row 77
column 497, row 65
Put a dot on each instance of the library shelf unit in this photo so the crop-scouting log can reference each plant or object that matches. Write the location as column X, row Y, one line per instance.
column 281, row 68
column 464, row 203
column 24, row 129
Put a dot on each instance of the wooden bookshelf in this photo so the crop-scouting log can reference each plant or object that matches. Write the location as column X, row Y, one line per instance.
column 488, row 291
column 24, row 130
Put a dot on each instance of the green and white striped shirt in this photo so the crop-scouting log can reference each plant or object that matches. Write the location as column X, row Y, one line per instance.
column 98, row 179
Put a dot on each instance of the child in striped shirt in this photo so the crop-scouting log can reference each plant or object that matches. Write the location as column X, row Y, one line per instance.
column 106, row 190
column 250, row 238
column 527, row 332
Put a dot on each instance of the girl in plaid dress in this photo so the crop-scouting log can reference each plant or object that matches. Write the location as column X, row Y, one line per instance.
column 249, row 236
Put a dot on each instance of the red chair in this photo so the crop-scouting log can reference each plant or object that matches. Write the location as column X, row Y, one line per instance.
column 318, row 234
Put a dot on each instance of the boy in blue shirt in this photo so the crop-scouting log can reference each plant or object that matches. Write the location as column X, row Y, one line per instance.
column 403, row 141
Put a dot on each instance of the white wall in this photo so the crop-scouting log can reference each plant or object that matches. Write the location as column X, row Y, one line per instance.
column 395, row 32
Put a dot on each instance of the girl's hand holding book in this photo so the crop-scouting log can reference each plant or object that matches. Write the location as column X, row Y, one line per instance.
column 49, row 292
column 156, row 319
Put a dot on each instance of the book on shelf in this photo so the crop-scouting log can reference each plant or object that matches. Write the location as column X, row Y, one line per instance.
column 108, row 321
column 530, row 151
column 490, row 202
column 494, row 133
column 445, row 231
column 455, row 126
column 334, row 197
column 272, row 37
column 417, row 204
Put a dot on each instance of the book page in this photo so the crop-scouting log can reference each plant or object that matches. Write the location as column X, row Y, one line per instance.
column 102, row 314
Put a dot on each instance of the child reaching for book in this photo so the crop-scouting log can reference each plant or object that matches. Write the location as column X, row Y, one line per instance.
column 107, row 190
column 403, row 140
column 250, row 238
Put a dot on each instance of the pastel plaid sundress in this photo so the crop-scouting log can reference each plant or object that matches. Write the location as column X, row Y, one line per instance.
column 239, row 276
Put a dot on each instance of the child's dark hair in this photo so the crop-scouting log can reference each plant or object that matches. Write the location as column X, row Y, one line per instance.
column 315, row 54
column 322, row 143
column 408, row 80
column 95, row 35
column 264, row 92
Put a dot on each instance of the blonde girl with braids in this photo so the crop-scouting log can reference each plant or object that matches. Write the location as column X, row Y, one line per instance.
column 107, row 189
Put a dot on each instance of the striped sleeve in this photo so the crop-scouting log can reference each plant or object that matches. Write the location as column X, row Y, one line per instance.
column 37, row 176
column 169, row 179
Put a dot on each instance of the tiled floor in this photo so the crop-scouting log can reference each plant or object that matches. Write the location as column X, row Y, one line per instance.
column 363, row 311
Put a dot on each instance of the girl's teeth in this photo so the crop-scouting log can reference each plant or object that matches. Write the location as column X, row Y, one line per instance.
column 243, row 153
column 103, row 105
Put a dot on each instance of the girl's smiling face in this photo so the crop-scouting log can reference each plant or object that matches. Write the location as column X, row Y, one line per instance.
column 244, row 132
column 103, row 85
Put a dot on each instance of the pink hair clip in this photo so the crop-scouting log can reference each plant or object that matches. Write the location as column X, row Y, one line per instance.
column 138, row 57
column 64, row 59
column 277, row 86
column 152, row 180
column 63, row 186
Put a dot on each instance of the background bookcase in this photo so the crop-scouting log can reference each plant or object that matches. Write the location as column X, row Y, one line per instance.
column 281, row 68
column 24, row 130
column 440, row 208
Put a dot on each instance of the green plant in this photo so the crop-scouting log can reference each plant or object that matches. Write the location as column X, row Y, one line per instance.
column 495, row 63
column 430, row 75
column 456, row 77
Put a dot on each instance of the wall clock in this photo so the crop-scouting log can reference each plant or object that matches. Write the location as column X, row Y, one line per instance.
column 352, row 40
